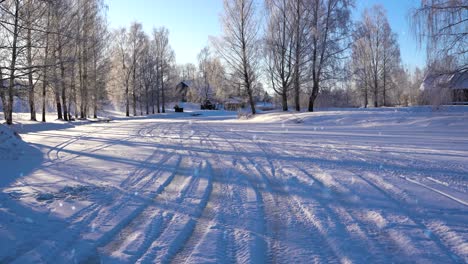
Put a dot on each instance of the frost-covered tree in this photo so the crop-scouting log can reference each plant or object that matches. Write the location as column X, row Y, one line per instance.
column 165, row 60
column 239, row 46
column 329, row 33
column 279, row 48
column 136, row 41
column 375, row 56
column 443, row 26
column 205, row 89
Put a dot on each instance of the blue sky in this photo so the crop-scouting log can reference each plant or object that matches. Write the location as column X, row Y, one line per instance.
column 191, row 22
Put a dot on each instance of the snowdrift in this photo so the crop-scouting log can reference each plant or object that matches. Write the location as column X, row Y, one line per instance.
column 11, row 145
column 17, row 157
column 422, row 117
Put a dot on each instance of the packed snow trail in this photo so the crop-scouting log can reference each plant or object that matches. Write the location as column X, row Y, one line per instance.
column 196, row 190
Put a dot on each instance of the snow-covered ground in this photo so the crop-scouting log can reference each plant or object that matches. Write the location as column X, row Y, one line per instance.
column 345, row 186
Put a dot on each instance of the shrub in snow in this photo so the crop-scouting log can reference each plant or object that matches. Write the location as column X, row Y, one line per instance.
column 244, row 115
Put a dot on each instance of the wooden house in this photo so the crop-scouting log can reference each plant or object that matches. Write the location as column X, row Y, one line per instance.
column 455, row 84
column 182, row 89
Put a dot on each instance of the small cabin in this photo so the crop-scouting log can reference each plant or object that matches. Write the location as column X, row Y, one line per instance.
column 460, row 88
column 234, row 104
column 456, row 84
column 182, row 89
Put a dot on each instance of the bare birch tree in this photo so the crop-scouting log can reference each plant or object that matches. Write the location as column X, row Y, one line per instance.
column 443, row 26
column 136, row 42
column 329, row 29
column 239, row 46
column 375, row 55
column 279, row 48
column 164, row 58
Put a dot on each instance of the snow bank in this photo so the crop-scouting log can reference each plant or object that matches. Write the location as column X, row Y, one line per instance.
column 11, row 145
column 17, row 158
column 422, row 117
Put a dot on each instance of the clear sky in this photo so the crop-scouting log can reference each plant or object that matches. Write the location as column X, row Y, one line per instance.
column 191, row 22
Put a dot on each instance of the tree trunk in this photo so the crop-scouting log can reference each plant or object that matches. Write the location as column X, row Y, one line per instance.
column 152, row 98
column 127, row 98
column 64, row 86
column 9, row 105
column 32, row 107
column 44, row 77
column 134, row 89
column 297, row 75
column 163, row 97
column 313, row 96
column 147, row 98
column 366, row 98
column 311, row 104
column 2, row 93
column 158, row 87
column 96, row 86
column 284, row 97
column 56, row 89
column 84, row 86
column 73, row 87
column 84, row 62
column 252, row 102
column 2, row 97
column 248, row 85
column 297, row 92
column 158, row 101
column 384, row 81
column 376, row 98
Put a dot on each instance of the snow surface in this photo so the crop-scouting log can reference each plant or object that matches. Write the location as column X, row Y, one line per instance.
column 340, row 186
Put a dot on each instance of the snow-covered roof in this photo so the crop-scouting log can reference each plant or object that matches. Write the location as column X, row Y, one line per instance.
column 458, row 81
column 234, row 100
column 187, row 83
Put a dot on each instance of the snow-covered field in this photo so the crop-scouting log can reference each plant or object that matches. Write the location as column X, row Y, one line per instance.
column 347, row 186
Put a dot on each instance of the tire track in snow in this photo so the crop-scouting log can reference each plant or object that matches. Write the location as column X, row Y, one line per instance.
column 248, row 228
column 278, row 222
column 272, row 214
column 383, row 228
column 193, row 200
column 229, row 229
column 377, row 252
column 166, row 218
column 393, row 194
column 185, row 211
column 204, row 223
column 72, row 244
column 335, row 203
column 423, row 228
column 402, row 200
column 437, row 191
column 70, row 156
column 133, row 240
column 320, row 254
column 333, row 238
column 98, row 231
column 114, row 219
column 381, row 162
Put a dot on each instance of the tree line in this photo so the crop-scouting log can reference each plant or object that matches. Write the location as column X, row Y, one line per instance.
column 60, row 56
column 53, row 49
column 304, row 49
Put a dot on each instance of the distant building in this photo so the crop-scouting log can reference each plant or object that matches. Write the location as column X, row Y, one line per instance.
column 456, row 84
column 182, row 90
column 234, row 104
